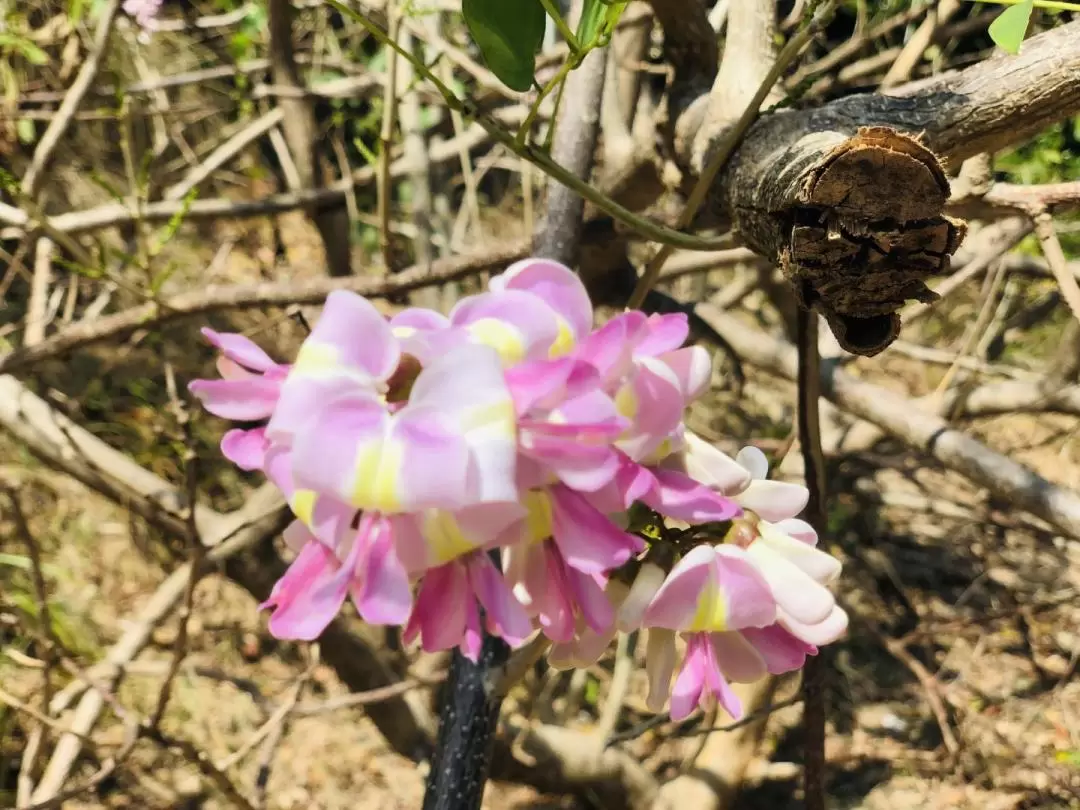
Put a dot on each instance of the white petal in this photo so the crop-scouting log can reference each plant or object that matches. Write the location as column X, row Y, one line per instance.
column 824, row 632
column 755, row 461
column 773, row 500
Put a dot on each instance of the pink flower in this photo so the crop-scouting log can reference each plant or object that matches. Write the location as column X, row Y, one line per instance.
column 250, row 383
column 409, row 448
column 709, row 594
column 310, row 594
column 784, row 551
column 446, row 614
column 144, row 11
column 453, row 444
column 557, row 571
column 248, row 391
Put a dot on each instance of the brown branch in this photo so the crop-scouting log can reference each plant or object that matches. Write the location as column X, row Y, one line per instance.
column 130, row 210
column 808, row 420
column 25, row 784
column 748, row 57
column 921, row 430
column 266, row 294
column 301, row 134
column 31, row 182
column 1055, row 258
column 813, row 189
column 260, row 518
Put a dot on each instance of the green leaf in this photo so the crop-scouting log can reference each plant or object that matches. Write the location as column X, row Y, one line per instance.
column 508, row 33
column 31, row 52
column 15, row 561
column 26, row 130
column 598, row 20
column 1010, row 28
column 75, row 11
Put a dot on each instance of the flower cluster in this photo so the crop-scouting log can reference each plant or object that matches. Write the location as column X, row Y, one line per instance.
column 411, row 447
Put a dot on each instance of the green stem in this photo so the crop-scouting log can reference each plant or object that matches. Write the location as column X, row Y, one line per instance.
column 530, row 119
column 560, row 23
column 649, row 230
column 1049, row 5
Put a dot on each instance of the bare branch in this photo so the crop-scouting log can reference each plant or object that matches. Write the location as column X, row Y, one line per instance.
column 302, row 138
column 921, row 430
column 31, row 182
column 267, row 294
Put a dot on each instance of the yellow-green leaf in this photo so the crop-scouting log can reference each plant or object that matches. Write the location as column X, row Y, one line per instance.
column 1010, row 28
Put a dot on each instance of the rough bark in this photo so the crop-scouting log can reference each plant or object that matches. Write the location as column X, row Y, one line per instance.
column 849, row 197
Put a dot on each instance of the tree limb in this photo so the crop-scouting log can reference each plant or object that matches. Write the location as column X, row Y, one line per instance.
column 848, row 198
column 301, row 136
column 923, row 431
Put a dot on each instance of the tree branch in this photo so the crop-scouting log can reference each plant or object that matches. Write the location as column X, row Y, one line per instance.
column 897, row 415
column 301, row 136
column 848, row 198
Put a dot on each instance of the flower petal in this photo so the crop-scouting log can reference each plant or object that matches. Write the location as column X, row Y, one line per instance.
column 774, row 500
column 681, row 497
column 651, row 399
column 556, row 285
column 755, row 461
column 824, row 632
column 663, row 334
column 353, row 449
column 351, row 334
column 739, row 660
column 676, row 601
column 439, row 613
column 781, row 651
column 239, row 349
column 692, row 367
column 434, row 537
column 794, row 590
column 712, row 589
column 588, row 540
column 245, row 448
column 466, row 387
column 519, row 326
column 689, row 686
column 591, row 600
column 384, row 595
column 798, row 530
column 245, row 400
column 609, row 349
column 310, row 594
column 707, row 464
column 505, row 617
column 660, row 666
column 646, row 585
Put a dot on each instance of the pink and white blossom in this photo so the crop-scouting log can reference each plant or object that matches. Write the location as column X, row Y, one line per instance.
column 411, row 448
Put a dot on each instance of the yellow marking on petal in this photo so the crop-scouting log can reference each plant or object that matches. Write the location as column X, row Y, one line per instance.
column 664, row 450
column 711, row 615
column 402, row 332
column 316, row 357
column 500, row 336
column 444, row 537
column 539, row 521
column 378, row 473
column 564, row 341
column 303, row 505
column 498, row 417
column 626, row 402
